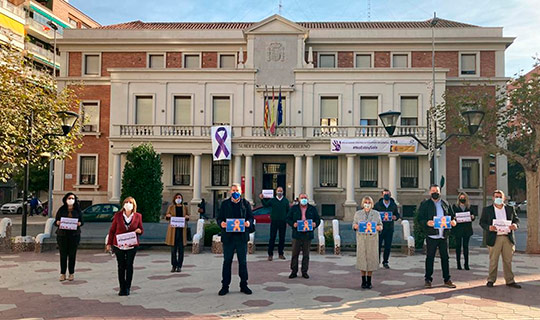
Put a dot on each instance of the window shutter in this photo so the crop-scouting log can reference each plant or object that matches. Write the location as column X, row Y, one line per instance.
column 329, row 107
column 182, row 110
column 369, row 107
column 221, row 110
column 409, row 107
column 144, row 110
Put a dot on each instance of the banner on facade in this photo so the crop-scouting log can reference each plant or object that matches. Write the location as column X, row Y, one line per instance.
column 221, row 142
column 374, row 145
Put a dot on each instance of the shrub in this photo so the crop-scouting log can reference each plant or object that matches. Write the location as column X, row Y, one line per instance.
column 210, row 229
column 419, row 233
column 329, row 237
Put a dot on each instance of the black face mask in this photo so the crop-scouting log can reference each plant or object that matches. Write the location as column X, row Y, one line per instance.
column 435, row 195
column 462, row 200
column 386, row 197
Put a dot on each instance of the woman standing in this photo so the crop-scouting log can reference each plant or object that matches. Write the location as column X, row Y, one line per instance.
column 463, row 231
column 124, row 221
column 68, row 240
column 367, row 244
column 177, row 237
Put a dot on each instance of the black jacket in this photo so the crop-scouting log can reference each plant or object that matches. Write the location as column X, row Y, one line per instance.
column 379, row 206
column 463, row 229
column 488, row 215
column 295, row 214
column 226, row 212
column 427, row 211
column 63, row 213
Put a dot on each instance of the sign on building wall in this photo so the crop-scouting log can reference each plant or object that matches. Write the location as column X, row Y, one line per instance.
column 221, row 142
column 374, row 145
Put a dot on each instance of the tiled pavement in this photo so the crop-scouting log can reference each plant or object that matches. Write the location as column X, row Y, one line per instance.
column 29, row 288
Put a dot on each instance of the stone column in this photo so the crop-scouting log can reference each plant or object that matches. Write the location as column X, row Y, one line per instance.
column 309, row 178
column 248, row 194
column 350, row 203
column 297, row 175
column 237, row 175
column 117, row 177
column 193, row 210
column 392, row 175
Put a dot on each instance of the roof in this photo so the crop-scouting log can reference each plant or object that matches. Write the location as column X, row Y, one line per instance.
column 139, row 25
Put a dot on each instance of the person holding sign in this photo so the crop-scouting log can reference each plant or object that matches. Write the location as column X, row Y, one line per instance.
column 124, row 235
column 68, row 235
column 463, row 230
column 233, row 211
column 499, row 241
column 437, row 238
column 301, row 240
column 177, row 231
column 367, row 242
column 278, row 216
column 389, row 209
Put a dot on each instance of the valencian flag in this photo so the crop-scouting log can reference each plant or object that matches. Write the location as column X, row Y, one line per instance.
column 265, row 108
column 279, row 109
column 273, row 114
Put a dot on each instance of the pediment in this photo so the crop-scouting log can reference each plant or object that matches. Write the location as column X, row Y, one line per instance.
column 276, row 24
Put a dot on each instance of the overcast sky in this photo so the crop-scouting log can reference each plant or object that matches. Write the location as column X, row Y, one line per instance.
column 519, row 18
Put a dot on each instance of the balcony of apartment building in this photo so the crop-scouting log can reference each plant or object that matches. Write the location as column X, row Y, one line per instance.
column 41, row 54
column 16, row 10
column 37, row 26
column 11, row 24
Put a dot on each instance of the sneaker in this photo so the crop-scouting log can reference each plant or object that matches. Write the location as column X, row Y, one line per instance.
column 513, row 285
column 246, row 290
column 293, row 275
column 427, row 284
column 282, row 257
column 489, row 284
column 449, row 284
column 270, row 258
column 71, row 277
column 386, row 266
column 62, row 277
column 305, row 275
column 223, row 291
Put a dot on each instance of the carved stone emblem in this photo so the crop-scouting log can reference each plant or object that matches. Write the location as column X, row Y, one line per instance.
column 275, row 52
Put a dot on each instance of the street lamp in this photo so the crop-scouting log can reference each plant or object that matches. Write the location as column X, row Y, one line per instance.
column 51, row 162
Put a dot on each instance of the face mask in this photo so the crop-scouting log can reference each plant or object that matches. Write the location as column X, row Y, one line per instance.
column 70, row 202
column 178, row 201
column 235, row 195
column 435, row 195
column 279, row 194
column 303, row 202
column 462, row 200
column 498, row 201
column 386, row 197
column 128, row 206
column 367, row 205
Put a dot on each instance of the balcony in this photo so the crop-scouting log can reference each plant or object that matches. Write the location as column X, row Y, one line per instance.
column 44, row 31
column 37, row 50
column 18, row 11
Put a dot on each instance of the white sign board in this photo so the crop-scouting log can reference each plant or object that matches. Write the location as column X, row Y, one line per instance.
column 463, row 217
column 126, row 240
column 221, row 142
column 69, row 223
column 268, row 194
column 178, row 222
column 503, row 226
column 374, row 145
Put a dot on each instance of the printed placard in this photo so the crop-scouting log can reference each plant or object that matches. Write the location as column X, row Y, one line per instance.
column 442, row 222
column 304, row 225
column 503, row 226
column 268, row 193
column 367, row 226
column 462, row 217
column 386, row 216
column 126, row 240
column 178, row 222
column 69, row 223
column 236, row 225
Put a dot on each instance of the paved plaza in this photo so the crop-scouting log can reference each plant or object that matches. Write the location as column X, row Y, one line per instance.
column 29, row 288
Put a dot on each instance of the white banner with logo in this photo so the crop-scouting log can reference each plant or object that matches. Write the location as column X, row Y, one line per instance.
column 221, row 142
column 374, row 145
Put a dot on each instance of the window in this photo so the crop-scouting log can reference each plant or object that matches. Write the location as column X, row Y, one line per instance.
column 409, row 111
column 221, row 110
column 182, row 110
column 470, row 173
column 328, row 171
column 368, row 111
column 400, row 61
column 363, row 61
column 90, row 113
column 144, row 109
column 409, row 172
column 327, row 60
column 227, row 61
column 72, row 22
column 87, row 170
column 181, row 170
column 156, row 61
column 468, row 64
column 369, row 172
column 329, row 111
column 91, row 64
column 191, row 61
column 220, row 173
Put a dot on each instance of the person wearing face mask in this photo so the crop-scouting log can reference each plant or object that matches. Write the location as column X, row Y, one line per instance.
column 301, row 241
column 124, row 221
column 500, row 242
column 278, row 216
column 367, row 244
column 436, row 238
column 68, row 240
column 463, row 231
column 177, row 237
column 235, row 207
column 387, row 204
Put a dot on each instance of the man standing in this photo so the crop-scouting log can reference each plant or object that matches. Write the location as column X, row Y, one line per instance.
column 33, row 205
column 278, row 217
column 301, row 240
column 500, row 241
column 387, row 204
column 235, row 207
column 436, row 238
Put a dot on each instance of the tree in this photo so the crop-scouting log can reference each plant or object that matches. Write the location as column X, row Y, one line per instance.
column 512, row 117
column 39, row 178
column 29, row 96
column 142, row 180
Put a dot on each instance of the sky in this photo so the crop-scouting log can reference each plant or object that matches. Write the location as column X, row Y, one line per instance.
column 519, row 18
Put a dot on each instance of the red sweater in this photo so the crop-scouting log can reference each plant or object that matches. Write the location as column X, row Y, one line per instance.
column 118, row 226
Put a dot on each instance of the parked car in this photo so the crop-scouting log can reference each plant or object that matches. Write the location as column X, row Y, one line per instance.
column 522, row 207
column 101, row 212
column 16, row 207
column 262, row 214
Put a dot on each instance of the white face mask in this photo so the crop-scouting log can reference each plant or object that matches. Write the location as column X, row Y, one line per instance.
column 367, row 205
column 498, row 201
column 128, row 206
column 70, row 202
column 178, row 201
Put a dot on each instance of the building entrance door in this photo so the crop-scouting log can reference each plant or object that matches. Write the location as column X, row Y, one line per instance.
column 275, row 175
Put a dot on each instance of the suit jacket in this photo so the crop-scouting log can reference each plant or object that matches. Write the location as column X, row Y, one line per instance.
column 488, row 215
column 118, row 226
column 295, row 214
column 226, row 212
column 427, row 211
column 463, row 229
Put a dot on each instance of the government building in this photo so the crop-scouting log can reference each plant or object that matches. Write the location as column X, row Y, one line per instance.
column 168, row 83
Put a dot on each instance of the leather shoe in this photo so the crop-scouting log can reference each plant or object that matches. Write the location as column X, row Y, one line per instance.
column 489, row 284
column 223, row 291
column 178, row 269
column 122, row 292
column 449, row 284
column 386, row 266
column 246, row 290
column 305, row 275
column 173, row 269
column 270, row 258
column 127, row 292
column 293, row 275
column 427, row 284
column 282, row 257
column 513, row 285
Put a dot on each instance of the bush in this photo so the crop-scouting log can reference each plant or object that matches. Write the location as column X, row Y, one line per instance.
column 142, row 180
column 419, row 233
column 329, row 237
column 210, row 229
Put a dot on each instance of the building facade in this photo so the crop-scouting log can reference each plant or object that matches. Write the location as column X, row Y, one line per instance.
column 169, row 83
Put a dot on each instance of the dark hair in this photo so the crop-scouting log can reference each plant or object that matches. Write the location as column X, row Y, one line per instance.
column 176, row 195
column 75, row 205
column 434, row 186
column 385, row 190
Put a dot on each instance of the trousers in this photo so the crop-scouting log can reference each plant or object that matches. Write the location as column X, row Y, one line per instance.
column 385, row 238
column 125, row 259
column 275, row 227
column 432, row 246
column 297, row 246
column 503, row 246
column 67, row 245
column 240, row 246
column 177, row 251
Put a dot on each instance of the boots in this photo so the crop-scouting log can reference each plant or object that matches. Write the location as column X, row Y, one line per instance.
column 467, row 263
column 458, row 264
column 364, row 282
column 368, row 283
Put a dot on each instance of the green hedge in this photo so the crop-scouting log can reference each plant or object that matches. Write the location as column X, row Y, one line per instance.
column 210, row 229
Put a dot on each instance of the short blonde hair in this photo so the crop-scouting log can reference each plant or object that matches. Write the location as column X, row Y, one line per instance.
column 132, row 200
column 501, row 192
column 366, row 198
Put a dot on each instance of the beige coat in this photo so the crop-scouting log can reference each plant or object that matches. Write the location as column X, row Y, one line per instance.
column 171, row 210
column 367, row 245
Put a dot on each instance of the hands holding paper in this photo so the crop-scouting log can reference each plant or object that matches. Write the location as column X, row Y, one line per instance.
column 493, row 228
column 453, row 223
column 512, row 227
column 138, row 231
column 355, row 226
column 379, row 228
column 431, row 223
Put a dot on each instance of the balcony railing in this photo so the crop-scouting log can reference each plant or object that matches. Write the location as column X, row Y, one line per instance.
column 34, row 49
column 41, row 28
column 12, row 8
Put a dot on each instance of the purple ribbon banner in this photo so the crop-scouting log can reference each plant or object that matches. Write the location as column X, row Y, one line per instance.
column 222, row 150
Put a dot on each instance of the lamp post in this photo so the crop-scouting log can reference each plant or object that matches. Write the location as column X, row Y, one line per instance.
column 68, row 119
column 51, row 162
column 434, row 164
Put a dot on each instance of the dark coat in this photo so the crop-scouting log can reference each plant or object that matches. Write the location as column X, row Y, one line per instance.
column 427, row 211
column 488, row 215
column 63, row 213
column 226, row 212
column 463, row 229
column 379, row 206
column 295, row 214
